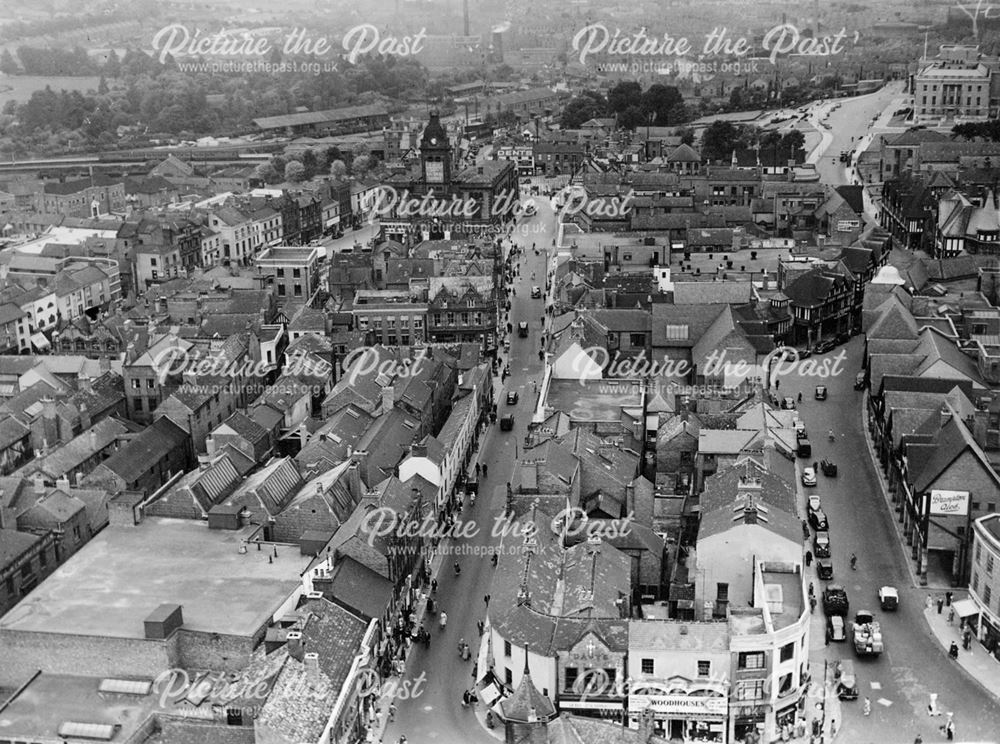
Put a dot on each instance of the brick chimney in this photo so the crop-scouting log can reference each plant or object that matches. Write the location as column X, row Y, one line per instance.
column 388, row 398
column 354, row 479
column 296, row 645
column 84, row 417
column 311, row 662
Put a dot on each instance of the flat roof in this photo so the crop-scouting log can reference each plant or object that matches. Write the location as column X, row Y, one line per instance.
column 123, row 574
column 594, row 400
column 53, row 699
column 286, row 254
column 792, row 601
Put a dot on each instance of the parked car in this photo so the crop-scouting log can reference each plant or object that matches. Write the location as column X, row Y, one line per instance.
column 859, row 381
column 804, row 448
column 835, row 629
column 808, row 477
column 536, row 292
column 829, row 468
column 512, row 398
column 814, row 503
column 821, row 392
column 818, row 520
column 821, row 544
column 824, row 346
column 824, row 570
column 522, row 329
column 788, row 404
column 507, row 423
column 888, row 598
column 835, row 600
column 847, row 681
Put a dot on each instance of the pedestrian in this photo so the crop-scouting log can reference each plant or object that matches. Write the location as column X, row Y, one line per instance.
column 480, row 626
column 951, row 615
column 486, row 599
column 949, row 730
column 947, row 598
column 809, row 557
column 434, row 585
column 940, row 604
column 932, row 706
column 967, row 639
column 392, row 711
column 494, row 559
column 918, row 740
column 485, row 470
column 868, row 707
column 444, row 620
column 479, row 469
column 929, row 602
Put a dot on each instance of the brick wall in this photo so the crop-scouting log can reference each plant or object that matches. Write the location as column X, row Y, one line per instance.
column 215, row 651
column 181, row 731
column 310, row 514
column 25, row 652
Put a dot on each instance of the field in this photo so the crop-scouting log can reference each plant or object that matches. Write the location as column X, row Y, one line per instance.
column 20, row 87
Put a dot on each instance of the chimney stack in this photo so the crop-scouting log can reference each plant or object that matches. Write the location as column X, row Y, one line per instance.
column 296, row 645
column 354, row 479
column 311, row 661
column 388, row 398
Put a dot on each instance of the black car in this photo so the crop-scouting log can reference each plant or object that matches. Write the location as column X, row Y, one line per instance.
column 824, row 346
column 512, row 398
column 522, row 329
column 507, row 423
column 818, row 520
column 835, row 600
column 829, row 468
column 821, row 392
column 824, row 569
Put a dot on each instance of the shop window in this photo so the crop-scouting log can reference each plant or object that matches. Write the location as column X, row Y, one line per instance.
column 647, row 666
column 788, row 651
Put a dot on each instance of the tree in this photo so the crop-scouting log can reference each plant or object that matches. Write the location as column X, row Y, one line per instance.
column 102, row 86
column 687, row 135
column 588, row 105
column 332, row 155
column 8, row 66
column 623, row 95
column 665, row 103
column 112, row 66
column 310, row 163
column 266, row 173
column 338, row 169
column 792, row 141
column 295, row 171
column 632, row 117
column 719, row 140
column 361, row 165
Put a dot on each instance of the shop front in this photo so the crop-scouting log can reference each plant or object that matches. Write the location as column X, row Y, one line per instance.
column 688, row 718
column 607, row 709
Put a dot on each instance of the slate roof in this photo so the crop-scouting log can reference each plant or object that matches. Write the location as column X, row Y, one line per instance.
column 150, row 446
column 854, row 196
column 707, row 293
column 360, row 588
column 695, row 319
column 13, row 544
column 79, row 449
column 953, row 440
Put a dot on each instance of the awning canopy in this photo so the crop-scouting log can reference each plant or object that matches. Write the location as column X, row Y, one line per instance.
column 39, row 341
column 965, row 607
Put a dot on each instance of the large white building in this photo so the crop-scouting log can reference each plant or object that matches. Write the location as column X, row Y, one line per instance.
column 982, row 609
column 954, row 85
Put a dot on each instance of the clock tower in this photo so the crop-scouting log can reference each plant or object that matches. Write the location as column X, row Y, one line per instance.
column 435, row 153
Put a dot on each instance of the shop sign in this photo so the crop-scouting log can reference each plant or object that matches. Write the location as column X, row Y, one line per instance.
column 684, row 705
column 950, row 503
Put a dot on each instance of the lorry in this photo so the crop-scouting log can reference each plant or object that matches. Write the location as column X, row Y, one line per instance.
column 866, row 634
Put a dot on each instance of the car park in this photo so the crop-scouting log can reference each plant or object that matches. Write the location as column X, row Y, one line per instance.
column 835, row 600
column 821, row 392
column 512, row 398
column 821, row 544
column 818, row 520
column 824, row 570
column 808, row 477
column 888, row 598
column 836, row 630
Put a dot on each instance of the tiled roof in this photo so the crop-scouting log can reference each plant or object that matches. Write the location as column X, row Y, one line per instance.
column 149, row 447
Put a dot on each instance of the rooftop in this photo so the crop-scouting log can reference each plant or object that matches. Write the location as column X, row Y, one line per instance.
column 594, row 400
column 116, row 580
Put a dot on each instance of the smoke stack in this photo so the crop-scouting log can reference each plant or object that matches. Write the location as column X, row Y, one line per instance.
column 296, row 646
column 311, row 661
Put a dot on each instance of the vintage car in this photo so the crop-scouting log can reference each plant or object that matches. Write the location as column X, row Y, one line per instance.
column 829, row 468
column 888, row 598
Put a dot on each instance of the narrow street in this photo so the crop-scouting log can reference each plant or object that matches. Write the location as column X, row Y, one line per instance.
column 914, row 664
column 437, row 714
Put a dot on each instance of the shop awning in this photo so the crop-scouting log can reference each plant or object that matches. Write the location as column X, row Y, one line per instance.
column 965, row 607
column 39, row 341
column 491, row 692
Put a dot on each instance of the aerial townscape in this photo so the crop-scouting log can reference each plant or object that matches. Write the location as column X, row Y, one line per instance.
column 458, row 372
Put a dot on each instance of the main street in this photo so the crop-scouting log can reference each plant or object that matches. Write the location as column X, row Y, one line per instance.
column 914, row 664
column 437, row 713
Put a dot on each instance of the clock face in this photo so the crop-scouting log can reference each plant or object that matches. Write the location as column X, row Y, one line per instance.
column 434, row 140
